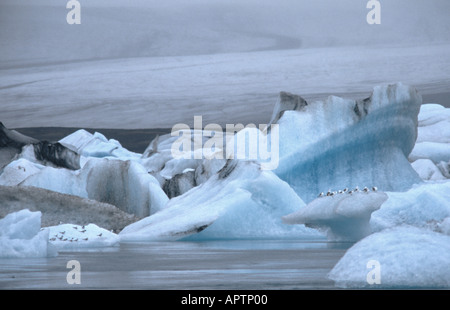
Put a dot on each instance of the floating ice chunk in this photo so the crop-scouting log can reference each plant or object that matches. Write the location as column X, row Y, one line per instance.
column 59, row 180
column 124, row 184
column 177, row 166
column 434, row 124
column 240, row 201
column 423, row 206
column 342, row 142
column 21, row 236
column 433, row 138
column 71, row 236
column 17, row 171
column 345, row 216
column 408, row 257
column 434, row 151
column 427, row 170
column 23, row 224
column 97, row 145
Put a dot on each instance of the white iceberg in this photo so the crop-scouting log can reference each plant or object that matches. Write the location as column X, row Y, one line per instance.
column 405, row 256
column 423, row 205
column 124, row 184
column 96, row 145
column 427, row 170
column 238, row 202
column 344, row 216
column 21, row 236
column 433, row 139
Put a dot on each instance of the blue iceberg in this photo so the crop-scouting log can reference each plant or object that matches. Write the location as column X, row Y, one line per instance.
column 340, row 143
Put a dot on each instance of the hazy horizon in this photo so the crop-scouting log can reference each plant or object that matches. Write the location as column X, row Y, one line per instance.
column 37, row 32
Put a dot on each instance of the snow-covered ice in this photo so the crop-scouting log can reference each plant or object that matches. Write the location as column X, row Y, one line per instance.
column 406, row 256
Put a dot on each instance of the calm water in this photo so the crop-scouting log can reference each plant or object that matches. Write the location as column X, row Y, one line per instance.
column 255, row 265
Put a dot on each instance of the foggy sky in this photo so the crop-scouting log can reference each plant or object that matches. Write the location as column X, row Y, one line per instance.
column 36, row 32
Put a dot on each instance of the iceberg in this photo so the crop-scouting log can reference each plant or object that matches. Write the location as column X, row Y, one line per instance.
column 407, row 257
column 240, row 201
column 122, row 183
column 340, row 143
column 424, row 205
column 96, row 145
column 344, row 215
column 21, row 236
column 433, row 139
column 427, row 170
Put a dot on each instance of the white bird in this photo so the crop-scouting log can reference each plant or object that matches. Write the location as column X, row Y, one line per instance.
column 356, row 189
column 374, row 189
column 321, row 194
column 365, row 189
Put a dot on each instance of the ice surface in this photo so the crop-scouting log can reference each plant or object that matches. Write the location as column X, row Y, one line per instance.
column 123, row 183
column 433, row 139
column 344, row 215
column 17, row 171
column 424, row 205
column 97, row 145
column 240, row 201
column 427, row 170
column 367, row 145
column 408, row 257
column 70, row 236
column 21, row 236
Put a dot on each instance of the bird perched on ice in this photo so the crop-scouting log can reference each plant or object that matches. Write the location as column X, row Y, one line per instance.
column 365, row 189
column 356, row 189
column 321, row 194
column 374, row 188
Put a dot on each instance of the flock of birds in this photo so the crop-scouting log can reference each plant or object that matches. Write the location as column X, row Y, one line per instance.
column 61, row 235
column 347, row 191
